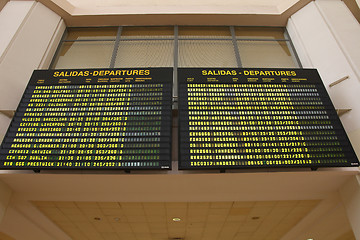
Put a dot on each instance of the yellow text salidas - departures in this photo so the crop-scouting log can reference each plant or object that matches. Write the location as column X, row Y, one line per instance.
column 86, row 73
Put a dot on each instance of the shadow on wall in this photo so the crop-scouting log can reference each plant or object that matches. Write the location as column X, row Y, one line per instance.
column 3, row 3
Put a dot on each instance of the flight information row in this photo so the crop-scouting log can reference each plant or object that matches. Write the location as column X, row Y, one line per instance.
column 98, row 90
column 86, row 124
column 93, row 95
column 258, row 117
column 71, row 164
column 125, row 151
column 88, row 140
column 249, row 89
column 92, row 109
column 224, row 164
column 86, row 157
column 83, row 120
column 251, row 86
column 249, row 94
column 252, row 103
column 98, row 114
column 85, row 100
column 85, row 134
column 91, row 104
column 84, row 145
column 102, row 86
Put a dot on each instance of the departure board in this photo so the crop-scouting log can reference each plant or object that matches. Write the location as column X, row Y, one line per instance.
column 251, row 118
column 92, row 119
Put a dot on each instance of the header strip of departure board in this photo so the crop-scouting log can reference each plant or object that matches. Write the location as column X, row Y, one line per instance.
column 100, row 76
column 258, row 118
column 248, row 75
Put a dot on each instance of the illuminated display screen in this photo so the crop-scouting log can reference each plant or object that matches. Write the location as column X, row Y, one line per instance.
column 241, row 118
column 92, row 119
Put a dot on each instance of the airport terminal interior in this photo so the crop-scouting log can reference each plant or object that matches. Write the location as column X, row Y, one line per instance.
column 167, row 55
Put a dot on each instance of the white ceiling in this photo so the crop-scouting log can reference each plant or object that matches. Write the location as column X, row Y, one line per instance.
column 198, row 220
column 174, row 12
column 268, row 194
column 185, row 6
column 119, row 12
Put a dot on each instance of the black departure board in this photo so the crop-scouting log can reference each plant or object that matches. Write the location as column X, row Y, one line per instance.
column 92, row 119
column 249, row 118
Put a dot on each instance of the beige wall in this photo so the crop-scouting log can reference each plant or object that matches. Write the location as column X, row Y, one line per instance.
column 30, row 33
column 330, row 44
column 326, row 36
column 5, row 194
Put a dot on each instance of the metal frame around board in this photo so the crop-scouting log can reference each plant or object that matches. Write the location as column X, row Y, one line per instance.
column 274, row 118
column 92, row 119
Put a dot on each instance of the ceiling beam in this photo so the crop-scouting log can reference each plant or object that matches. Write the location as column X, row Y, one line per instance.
column 201, row 18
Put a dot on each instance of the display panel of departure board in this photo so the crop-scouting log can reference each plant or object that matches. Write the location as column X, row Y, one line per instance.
column 247, row 118
column 92, row 119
